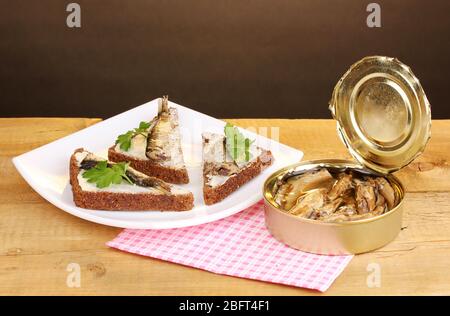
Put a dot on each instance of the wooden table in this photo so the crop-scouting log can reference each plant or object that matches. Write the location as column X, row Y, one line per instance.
column 38, row 241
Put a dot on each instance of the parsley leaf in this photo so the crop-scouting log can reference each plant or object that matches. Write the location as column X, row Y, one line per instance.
column 125, row 139
column 103, row 175
column 238, row 146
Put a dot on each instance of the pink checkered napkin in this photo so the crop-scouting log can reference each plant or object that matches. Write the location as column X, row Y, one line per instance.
column 240, row 246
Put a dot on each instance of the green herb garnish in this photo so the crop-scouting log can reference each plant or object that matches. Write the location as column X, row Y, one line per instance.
column 125, row 139
column 104, row 176
column 238, row 146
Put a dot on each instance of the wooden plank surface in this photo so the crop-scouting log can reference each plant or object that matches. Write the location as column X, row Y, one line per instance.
column 38, row 241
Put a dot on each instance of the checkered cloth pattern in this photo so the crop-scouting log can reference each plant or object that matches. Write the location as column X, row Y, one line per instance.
column 240, row 246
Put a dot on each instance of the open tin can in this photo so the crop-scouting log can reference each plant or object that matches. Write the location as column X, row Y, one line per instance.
column 384, row 119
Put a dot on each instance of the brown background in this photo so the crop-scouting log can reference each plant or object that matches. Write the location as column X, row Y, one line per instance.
column 235, row 58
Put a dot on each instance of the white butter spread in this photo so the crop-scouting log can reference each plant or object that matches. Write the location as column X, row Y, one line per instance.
column 79, row 156
column 217, row 180
column 213, row 148
column 137, row 149
column 123, row 187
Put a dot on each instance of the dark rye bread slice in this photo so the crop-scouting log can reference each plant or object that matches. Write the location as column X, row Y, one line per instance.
column 215, row 164
column 113, row 201
column 171, row 175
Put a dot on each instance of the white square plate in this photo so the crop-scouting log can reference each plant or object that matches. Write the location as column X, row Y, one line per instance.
column 46, row 169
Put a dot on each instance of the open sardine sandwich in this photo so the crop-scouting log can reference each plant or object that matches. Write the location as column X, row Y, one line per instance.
column 105, row 185
column 154, row 148
column 229, row 161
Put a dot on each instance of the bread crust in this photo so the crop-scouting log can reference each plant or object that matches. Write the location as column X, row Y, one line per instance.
column 216, row 194
column 167, row 174
column 125, row 201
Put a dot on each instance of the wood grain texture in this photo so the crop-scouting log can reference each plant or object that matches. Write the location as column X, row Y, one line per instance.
column 38, row 241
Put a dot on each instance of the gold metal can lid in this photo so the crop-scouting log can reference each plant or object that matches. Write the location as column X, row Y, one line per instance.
column 382, row 113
